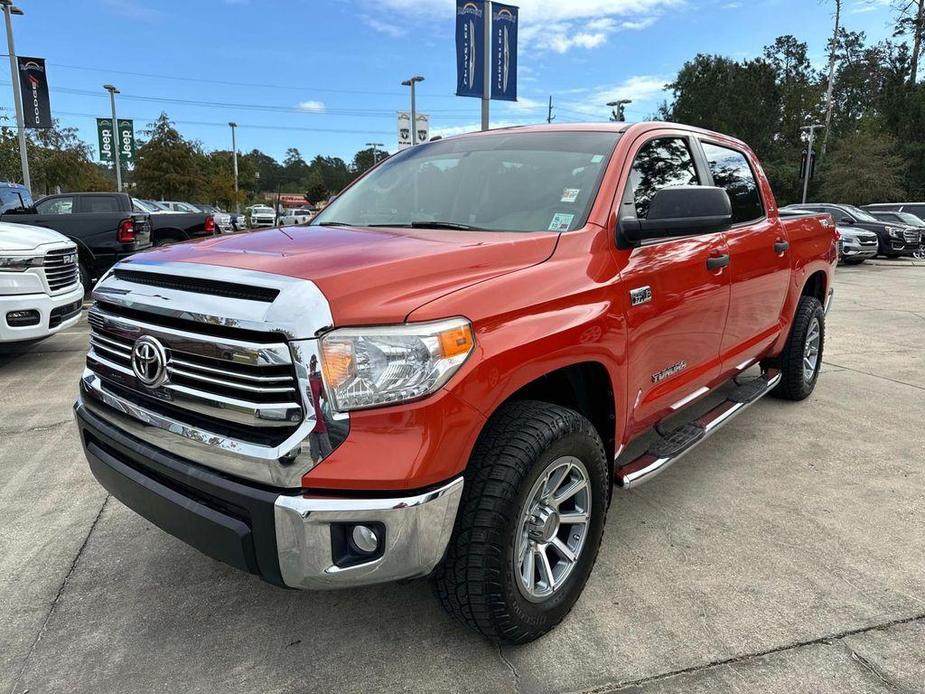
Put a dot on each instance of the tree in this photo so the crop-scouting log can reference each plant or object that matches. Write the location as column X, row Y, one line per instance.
column 365, row 159
column 315, row 189
column 862, row 168
column 168, row 166
column 911, row 20
column 829, row 103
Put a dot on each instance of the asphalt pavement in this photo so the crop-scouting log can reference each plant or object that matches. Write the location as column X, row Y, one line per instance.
column 785, row 555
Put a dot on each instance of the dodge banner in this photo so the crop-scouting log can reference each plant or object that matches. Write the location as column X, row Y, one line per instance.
column 503, row 52
column 470, row 48
column 34, row 84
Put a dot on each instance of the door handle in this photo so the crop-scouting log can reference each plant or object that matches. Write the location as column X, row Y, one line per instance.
column 781, row 246
column 717, row 262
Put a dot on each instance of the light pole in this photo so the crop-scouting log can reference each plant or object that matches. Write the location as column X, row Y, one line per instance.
column 234, row 155
column 375, row 146
column 8, row 10
column 115, row 135
column 414, row 116
column 618, row 106
column 810, row 158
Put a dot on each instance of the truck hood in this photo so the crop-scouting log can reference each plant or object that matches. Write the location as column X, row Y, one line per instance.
column 22, row 237
column 371, row 276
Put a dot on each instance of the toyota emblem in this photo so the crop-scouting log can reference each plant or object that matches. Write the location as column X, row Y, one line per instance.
column 149, row 362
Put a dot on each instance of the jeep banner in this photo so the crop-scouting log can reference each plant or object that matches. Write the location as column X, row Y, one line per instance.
column 470, row 48
column 503, row 52
column 34, row 85
column 108, row 139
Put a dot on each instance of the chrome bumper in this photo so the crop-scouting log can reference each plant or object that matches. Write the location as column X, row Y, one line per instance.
column 417, row 531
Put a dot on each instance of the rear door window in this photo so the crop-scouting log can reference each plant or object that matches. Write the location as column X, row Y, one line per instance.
column 100, row 203
column 665, row 162
column 731, row 171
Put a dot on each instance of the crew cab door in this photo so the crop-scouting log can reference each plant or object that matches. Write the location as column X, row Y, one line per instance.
column 759, row 257
column 678, row 291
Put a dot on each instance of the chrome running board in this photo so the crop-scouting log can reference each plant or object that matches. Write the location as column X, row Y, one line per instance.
column 672, row 446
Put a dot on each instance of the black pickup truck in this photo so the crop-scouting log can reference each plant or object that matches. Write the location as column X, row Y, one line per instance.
column 172, row 227
column 104, row 226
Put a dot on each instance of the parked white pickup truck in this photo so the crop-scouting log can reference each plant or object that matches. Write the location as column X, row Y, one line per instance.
column 40, row 290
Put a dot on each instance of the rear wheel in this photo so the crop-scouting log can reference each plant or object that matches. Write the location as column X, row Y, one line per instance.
column 801, row 359
column 529, row 525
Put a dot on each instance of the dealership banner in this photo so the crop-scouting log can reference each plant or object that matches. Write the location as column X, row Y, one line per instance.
column 124, row 139
column 33, row 82
column 503, row 52
column 404, row 129
column 470, row 48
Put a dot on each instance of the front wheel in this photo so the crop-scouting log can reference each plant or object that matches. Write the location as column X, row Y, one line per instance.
column 529, row 524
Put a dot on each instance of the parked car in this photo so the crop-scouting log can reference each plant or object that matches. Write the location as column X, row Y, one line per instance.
column 222, row 218
column 40, row 290
column 238, row 221
column 261, row 216
column 857, row 245
column 176, row 206
column 489, row 335
column 174, row 227
column 104, row 226
column 296, row 217
column 915, row 208
column 904, row 218
column 894, row 239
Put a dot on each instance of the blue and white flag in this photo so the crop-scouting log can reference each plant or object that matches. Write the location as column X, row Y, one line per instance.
column 470, row 48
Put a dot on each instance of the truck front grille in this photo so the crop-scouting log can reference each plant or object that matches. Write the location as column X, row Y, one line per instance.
column 911, row 236
column 227, row 383
column 60, row 268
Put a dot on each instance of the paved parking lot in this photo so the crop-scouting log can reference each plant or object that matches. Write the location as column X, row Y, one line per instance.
column 786, row 555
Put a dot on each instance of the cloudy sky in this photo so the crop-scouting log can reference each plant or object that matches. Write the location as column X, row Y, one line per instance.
column 325, row 75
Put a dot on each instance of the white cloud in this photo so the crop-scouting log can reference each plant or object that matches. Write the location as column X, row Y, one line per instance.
column 472, row 127
column 642, row 89
column 393, row 30
column 861, row 6
column 545, row 26
column 312, row 106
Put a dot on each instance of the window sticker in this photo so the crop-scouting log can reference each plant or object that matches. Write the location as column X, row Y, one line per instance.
column 570, row 194
column 561, row 221
column 597, row 158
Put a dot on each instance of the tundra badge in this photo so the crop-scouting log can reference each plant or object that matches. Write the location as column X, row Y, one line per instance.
column 670, row 371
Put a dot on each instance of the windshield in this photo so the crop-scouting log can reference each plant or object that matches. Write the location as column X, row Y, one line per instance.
column 506, row 181
column 14, row 199
column 910, row 219
column 144, row 207
column 860, row 214
column 157, row 206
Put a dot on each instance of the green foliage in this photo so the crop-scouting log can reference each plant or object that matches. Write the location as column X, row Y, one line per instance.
column 168, row 167
column 876, row 149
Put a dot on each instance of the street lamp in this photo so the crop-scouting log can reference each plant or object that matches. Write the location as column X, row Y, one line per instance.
column 234, row 149
column 375, row 146
column 10, row 9
column 617, row 113
column 115, row 135
column 414, row 116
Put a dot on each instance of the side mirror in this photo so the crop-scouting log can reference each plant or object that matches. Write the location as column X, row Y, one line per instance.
column 681, row 211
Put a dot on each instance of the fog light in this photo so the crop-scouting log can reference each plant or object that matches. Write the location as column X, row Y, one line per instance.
column 22, row 319
column 365, row 539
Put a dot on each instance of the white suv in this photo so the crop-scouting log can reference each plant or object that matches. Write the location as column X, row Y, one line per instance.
column 40, row 290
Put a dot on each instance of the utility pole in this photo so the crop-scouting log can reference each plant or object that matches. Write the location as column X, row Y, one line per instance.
column 549, row 117
column 810, row 158
column 486, row 86
column 375, row 146
column 8, row 10
column 414, row 114
column 617, row 113
column 234, row 157
column 830, row 89
column 116, row 138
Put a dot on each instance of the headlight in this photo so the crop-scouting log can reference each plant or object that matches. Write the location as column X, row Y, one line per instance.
column 18, row 263
column 372, row 367
column 895, row 232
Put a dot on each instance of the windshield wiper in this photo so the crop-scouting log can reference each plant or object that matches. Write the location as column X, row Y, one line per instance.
column 334, row 224
column 443, row 225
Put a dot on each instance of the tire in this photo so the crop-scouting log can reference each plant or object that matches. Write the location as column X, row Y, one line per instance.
column 854, row 261
column 796, row 382
column 477, row 581
column 84, row 273
column 166, row 241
